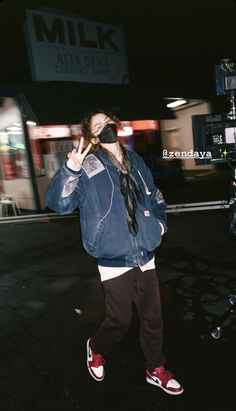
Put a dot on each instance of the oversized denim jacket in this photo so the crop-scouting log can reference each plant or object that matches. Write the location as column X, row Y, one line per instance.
column 95, row 190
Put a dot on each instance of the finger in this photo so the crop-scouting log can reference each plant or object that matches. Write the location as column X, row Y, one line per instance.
column 87, row 149
column 71, row 153
column 75, row 159
column 81, row 143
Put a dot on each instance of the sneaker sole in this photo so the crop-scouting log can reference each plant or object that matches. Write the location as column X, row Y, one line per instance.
column 150, row 381
column 89, row 369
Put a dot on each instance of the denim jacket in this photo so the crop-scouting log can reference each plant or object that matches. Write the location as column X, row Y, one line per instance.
column 95, row 190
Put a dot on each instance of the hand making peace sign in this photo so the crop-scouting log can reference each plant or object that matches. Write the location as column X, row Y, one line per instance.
column 76, row 156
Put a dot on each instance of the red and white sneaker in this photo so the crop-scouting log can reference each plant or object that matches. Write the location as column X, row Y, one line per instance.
column 164, row 379
column 95, row 363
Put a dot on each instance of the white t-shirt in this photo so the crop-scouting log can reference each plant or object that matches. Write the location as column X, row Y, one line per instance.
column 107, row 273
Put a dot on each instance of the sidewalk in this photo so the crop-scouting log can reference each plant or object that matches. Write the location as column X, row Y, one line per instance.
column 52, row 301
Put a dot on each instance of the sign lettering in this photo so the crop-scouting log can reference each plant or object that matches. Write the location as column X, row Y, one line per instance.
column 69, row 48
column 60, row 30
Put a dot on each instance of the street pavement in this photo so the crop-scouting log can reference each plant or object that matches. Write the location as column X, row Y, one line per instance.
column 51, row 302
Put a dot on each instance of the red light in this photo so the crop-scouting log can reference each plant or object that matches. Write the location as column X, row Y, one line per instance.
column 145, row 124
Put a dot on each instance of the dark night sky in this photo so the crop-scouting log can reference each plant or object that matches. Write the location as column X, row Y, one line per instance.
column 172, row 45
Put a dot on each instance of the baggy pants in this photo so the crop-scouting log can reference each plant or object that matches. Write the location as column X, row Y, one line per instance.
column 142, row 289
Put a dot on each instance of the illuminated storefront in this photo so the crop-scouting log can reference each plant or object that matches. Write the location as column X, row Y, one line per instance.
column 15, row 175
column 40, row 124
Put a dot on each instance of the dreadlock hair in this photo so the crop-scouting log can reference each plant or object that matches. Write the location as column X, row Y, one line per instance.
column 87, row 120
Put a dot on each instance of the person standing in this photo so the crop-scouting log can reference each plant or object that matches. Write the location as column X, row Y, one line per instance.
column 122, row 220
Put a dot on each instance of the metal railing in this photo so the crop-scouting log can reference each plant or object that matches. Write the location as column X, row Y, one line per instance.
column 172, row 208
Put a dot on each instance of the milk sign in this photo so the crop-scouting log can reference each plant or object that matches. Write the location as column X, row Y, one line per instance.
column 64, row 47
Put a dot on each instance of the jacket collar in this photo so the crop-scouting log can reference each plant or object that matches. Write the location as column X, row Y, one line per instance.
column 106, row 159
column 102, row 155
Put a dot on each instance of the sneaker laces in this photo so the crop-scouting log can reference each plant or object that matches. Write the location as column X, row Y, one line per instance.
column 164, row 374
column 97, row 360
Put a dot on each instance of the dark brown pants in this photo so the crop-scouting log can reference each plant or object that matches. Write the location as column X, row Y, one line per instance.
column 142, row 289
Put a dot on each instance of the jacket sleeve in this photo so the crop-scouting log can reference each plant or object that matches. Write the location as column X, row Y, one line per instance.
column 158, row 204
column 66, row 190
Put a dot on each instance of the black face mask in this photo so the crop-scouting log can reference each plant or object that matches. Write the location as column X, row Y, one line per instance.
column 108, row 134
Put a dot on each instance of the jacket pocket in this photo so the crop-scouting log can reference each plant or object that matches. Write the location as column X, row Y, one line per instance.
column 149, row 233
column 94, row 235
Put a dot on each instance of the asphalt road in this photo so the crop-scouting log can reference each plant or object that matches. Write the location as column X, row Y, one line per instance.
column 46, row 277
